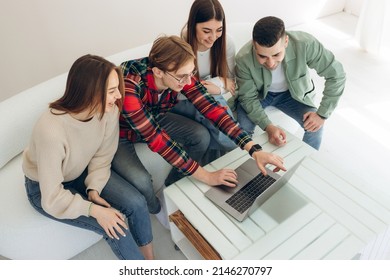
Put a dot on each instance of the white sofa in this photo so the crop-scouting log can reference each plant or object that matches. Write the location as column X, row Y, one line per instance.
column 24, row 233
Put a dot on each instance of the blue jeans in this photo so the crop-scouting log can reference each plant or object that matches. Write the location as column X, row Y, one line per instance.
column 218, row 141
column 127, row 163
column 284, row 102
column 193, row 137
column 123, row 197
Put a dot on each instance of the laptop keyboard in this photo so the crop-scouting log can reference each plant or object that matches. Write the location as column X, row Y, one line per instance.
column 245, row 197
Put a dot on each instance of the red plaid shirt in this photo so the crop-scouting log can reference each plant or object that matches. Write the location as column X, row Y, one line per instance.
column 141, row 108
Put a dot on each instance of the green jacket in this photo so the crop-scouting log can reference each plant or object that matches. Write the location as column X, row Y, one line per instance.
column 303, row 52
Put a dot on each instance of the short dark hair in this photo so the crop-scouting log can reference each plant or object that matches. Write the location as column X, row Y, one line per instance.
column 268, row 31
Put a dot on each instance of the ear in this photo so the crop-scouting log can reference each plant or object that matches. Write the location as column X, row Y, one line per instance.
column 286, row 41
column 157, row 72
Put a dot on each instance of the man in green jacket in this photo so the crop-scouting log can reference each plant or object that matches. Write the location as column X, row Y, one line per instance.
column 273, row 70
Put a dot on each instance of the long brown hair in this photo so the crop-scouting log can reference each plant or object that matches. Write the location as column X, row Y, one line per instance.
column 86, row 86
column 202, row 11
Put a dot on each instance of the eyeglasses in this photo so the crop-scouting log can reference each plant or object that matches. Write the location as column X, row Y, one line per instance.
column 184, row 77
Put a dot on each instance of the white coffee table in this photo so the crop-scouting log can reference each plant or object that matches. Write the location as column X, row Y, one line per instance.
column 323, row 213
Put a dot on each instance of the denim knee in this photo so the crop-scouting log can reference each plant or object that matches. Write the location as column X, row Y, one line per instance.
column 142, row 181
column 139, row 222
column 244, row 122
column 313, row 139
column 201, row 138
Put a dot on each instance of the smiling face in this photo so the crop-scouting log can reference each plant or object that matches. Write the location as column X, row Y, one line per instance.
column 113, row 93
column 207, row 33
column 184, row 73
column 271, row 57
column 175, row 80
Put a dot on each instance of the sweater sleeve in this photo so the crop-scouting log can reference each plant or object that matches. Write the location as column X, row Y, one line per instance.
column 50, row 151
column 99, row 168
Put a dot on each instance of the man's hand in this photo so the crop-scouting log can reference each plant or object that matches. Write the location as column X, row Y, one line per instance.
column 276, row 135
column 227, row 177
column 312, row 121
column 263, row 158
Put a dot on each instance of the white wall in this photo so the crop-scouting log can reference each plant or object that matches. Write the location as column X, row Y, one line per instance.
column 354, row 6
column 40, row 39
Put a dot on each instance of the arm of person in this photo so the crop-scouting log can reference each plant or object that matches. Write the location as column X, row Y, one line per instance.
column 325, row 64
column 312, row 121
column 217, row 85
column 143, row 122
column 214, row 85
column 248, row 93
column 248, row 98
column 99, row 167
column 50, row 153
column 228, row 177
column 218, row 115
column 110, row 219
column 276, row 135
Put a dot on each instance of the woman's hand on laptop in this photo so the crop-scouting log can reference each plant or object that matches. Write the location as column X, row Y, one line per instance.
column 263, row 158
column 226, row 177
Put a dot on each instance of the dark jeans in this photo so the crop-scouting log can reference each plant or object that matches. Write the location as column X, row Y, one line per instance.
column 284, row 102
column 123, row 197
column 193, row 137
column 218, row 140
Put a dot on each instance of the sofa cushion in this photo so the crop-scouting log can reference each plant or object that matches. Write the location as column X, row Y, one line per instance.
column 19, row 113
column 25, row 233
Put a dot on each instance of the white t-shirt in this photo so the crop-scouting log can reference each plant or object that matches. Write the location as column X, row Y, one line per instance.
column 203, row 59
column 279, row 83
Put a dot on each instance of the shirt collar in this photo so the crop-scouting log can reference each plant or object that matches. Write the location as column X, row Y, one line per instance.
column 150, row 82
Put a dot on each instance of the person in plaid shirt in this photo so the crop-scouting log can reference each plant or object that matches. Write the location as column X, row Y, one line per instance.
column 152, row 85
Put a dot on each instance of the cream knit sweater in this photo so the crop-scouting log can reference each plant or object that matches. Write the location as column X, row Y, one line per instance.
column 60, row 149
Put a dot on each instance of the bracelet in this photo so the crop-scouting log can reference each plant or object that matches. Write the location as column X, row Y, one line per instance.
column 221, row 90
column 89, row 209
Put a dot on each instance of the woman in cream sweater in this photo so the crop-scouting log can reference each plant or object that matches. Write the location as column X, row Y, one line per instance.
column 67, row 163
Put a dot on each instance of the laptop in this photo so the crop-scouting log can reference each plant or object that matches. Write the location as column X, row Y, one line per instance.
column 252, row 190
